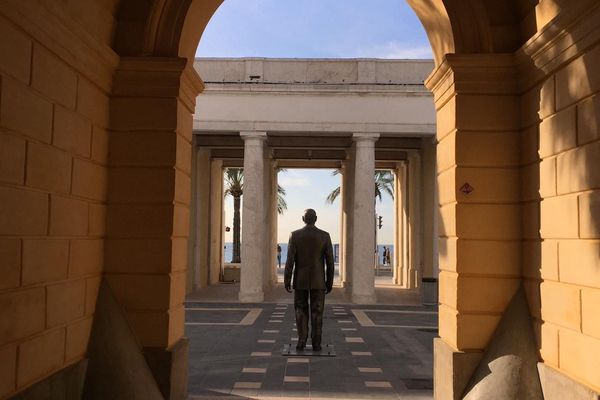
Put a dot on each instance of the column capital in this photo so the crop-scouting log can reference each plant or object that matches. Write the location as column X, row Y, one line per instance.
column 246, row 135
column 365, row 137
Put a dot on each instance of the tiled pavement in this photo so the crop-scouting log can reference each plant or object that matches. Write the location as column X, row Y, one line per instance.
column 235, row 352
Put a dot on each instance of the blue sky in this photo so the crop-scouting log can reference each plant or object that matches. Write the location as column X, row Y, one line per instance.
column 315, row 28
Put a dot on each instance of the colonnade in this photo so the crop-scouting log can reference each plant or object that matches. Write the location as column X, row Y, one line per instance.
column 357, row 256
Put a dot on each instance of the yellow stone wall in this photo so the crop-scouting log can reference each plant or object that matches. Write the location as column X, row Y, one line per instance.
column 561, row 252
column 55, row 75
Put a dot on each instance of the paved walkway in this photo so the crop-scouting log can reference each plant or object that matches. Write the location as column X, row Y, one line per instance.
column 383, row 351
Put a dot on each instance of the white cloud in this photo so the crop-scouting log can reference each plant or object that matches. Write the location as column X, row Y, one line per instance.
column 396, row 50
column 293, row 179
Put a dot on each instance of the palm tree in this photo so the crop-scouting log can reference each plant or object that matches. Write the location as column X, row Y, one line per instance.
column 384, row 183
column 234, row 187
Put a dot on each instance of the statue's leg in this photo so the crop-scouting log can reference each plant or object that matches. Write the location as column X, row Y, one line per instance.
column 301, row 308
column 317, row 306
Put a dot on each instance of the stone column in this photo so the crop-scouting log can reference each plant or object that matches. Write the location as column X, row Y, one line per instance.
column 216, row 221
column 363, row 246
column 342, row 257
column 415, row 229
column 200, row 217
column 348, row 207
column 273, row 222
column 270, row 205
column 400, row 225
column 254, row 232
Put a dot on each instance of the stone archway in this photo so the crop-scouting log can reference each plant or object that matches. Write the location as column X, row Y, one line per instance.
column 517, row 81
column 482, row 98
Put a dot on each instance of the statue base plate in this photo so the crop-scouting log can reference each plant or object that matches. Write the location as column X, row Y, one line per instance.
column 289, row 350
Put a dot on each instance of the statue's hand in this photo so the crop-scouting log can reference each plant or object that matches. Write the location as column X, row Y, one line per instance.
column 328, row 290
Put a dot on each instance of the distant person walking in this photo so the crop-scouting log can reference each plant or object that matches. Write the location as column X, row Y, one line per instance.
column 278, row 256
column 385, row 255
column 389, row 257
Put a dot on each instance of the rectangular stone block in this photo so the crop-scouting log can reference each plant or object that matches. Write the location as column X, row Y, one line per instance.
column 448, row 286
column 446, row 182
column 185, row 121
column 590, row 301
column 44, row 260
column 558, row 133
column 86, row 257
column 66, row 302
column 139, row 255
column 578, row 262
column 447, row 220
column 176, row 324
column 10, row 266
column 181, row 220
column 16, row 50
column 549, row 261
column 532, row 292
column 183, row 187
column 134, row 220
column 490, row 185
column 474, row 257
column 452, row 370
column 92, row 102
column 559, row 217
column 144, row 113
column 485, row 295
column 474, row 331
column 530, row 217
column 152, row 148
column 100, row 145
column 78, row 335
column 142, row 185
column 488, row 221
column 89, row 180
column 68, row 217
column 577, row 80
column 446, row 152
column 589, row 215
column 48, row 168
column 12, row 159
column 494, row 149
column 141, row 292
column 577, row 169
column 530, row 182
column 97, row 219
column 151, row 328
column 40, row 356
column 53, row 77
column 447, row 254
column 529, row 142
column 91, row 294
column 531, row 258
column 549, row 343
column 184, row 155
column 547, row 171
column 24, row 111
column 446, row 118
column 472, row 113
column 8, row 368
column 561, row 304
column 580, row 356
column 72, row 132
column 24, row 313
column 588, row 120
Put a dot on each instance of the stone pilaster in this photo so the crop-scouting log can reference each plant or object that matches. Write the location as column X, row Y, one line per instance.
column 254, row 231
column 363, row 243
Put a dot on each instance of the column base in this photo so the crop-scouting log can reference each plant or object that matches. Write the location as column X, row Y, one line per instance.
column 364, row 298
column 452, row 370
column 65, row 384
column 258, row 297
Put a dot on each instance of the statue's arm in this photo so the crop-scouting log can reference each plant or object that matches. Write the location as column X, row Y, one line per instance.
column 289, row 263
column 329, row 262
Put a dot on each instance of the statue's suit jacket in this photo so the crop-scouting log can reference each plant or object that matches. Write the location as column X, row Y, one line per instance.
column 309, row 250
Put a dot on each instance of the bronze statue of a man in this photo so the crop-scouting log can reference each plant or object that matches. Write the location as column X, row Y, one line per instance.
column 309, row 250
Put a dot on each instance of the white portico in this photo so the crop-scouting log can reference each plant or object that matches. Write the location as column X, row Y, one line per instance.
column 353, row 115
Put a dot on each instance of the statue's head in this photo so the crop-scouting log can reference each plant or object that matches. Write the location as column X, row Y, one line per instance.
column 310, row 216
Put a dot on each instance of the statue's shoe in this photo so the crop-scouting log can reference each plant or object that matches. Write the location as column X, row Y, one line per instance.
column 300, row 346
